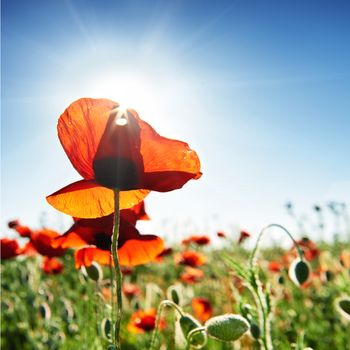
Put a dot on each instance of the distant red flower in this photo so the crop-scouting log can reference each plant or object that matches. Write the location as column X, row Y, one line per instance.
column 131, row 290
column 191, row 275
column 275, row 266
column 52, row 266
column 243, row 235
column 202, row 308
column 9, row 248
column 143, row 321
column 221, row 234
column 42, row 241
column 190, row 258
column 309, row 248
column 13, row 223
column 23, row 231
column 163, row 253
column 200, row 240
column 93, row 238
column 111, row 149
column 345, row 258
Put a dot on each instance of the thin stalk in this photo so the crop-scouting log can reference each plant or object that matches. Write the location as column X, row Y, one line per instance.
column 117, row 272
column 252, row 256
column 158, row 318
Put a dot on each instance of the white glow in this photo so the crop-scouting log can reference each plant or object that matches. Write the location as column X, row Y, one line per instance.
column 121, row 121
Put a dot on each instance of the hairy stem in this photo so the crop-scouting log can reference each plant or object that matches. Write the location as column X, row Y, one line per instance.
column 117, row 272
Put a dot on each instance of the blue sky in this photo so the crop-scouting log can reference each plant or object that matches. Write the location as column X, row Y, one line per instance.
column 260, row 89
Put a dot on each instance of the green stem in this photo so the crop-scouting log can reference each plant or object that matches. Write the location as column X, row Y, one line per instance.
column 252, row 256
column 117, row 271
column 158, row 318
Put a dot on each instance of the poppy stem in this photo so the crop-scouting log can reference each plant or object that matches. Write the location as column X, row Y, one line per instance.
column 252, row 256
column 117, row 272
column 161, row 306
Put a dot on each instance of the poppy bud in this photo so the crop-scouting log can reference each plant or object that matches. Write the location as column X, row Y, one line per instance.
column 173, row 294
column 93, row 271
column 106, row 328
column 45, row 311
column 254, row 330
column 68, row 312
column 343, row 307
column 227, row 328
column 299, row 272
column 189, row 323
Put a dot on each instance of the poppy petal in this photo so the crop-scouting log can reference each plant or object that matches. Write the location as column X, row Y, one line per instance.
column 80, row 129
column 86, row 199
column 85, row 257
column 71, row 240
column 168, row 163
column 141, row 250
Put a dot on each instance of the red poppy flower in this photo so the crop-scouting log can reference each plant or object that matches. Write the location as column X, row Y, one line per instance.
column 309, row 248
column 190, row 258
column 42, row 241
column 9, row 248
column 144, row 321
column 345, row 258
column 221, row 234
column 191, row 275
column 202, row 309
column 243, row 236
column 116, row 149
column 131, row 290
column 200, row 240
column 133, row 248
column 165, row 252
column 275, row 266
column 13, row 223
column 52, row 266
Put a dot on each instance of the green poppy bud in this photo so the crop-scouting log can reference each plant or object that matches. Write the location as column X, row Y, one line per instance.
column 255, row 330
column 227, row 327
column 173, row 294
column 299, row 272
column 45, row 311
column 93, row 271
column 343, row 307
column 189, row 323
column 106, row 328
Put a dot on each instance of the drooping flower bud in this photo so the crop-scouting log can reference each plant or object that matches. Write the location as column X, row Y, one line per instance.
column 299, row 271
column 343, row 307
column 229, row 327
column 45, row 311
column 106, row 328
column 93, row 271
column 187, row 324
column 174, row 294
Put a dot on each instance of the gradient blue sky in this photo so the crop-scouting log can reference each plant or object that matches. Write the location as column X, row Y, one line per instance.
column 260, row 89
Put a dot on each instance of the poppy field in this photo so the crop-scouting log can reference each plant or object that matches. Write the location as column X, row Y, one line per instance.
column 104, row 284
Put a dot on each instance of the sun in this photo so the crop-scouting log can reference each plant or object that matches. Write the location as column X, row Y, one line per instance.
column 138, row 93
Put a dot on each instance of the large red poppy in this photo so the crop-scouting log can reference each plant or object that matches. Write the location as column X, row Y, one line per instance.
column 131, row 157
column 93, row 238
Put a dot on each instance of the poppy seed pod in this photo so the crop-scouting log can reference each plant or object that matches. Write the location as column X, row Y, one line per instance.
column 189, row 323
column 299, row 272
column 229, row 327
